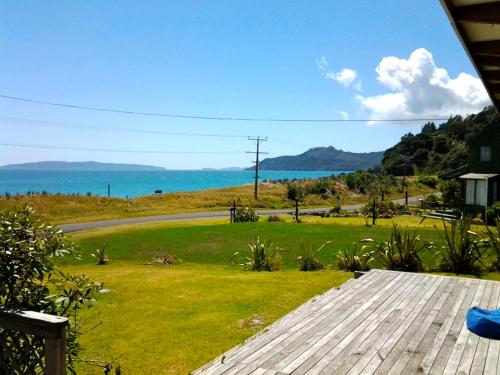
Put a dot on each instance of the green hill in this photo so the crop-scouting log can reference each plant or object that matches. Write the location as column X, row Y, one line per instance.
column 436, row 149
column 323, row 159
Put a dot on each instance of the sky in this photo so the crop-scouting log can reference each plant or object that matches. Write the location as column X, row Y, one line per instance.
column 276, row 59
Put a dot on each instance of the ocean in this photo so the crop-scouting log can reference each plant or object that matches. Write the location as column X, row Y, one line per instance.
column 132, row 184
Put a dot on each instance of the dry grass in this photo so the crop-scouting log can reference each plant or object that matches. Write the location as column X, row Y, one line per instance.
column 60, row 209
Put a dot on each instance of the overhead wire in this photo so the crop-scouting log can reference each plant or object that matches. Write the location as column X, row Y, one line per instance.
column 71, row 148
column 66, row 125
column 211, row 118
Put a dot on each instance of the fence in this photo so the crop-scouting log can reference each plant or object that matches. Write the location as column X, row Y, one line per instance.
column 32, row 343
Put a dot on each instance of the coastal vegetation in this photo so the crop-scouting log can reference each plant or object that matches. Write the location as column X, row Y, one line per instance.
column 436, row 149
column 326, row 192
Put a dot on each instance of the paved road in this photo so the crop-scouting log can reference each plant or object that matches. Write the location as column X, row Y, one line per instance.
column 197, row 216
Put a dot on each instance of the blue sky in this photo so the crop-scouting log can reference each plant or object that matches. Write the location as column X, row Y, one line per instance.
column 274, row 59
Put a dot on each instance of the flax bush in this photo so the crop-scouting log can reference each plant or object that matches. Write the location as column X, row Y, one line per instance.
column 264, row 256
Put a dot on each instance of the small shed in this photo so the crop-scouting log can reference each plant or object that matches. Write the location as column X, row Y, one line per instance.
column 481, row 190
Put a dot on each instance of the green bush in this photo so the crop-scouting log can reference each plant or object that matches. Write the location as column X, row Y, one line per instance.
column 451, row 193
column 402, row 251
column 308, row 258
column 494, row 211
column 245, row 214
column 101, row 256
column 463, row 252
column 493, row 241
column 274, row 219
column 334, row 211
column 429, row 181
column 29, row 280
column 354, row 259
column 264, row 256
column 167, row 260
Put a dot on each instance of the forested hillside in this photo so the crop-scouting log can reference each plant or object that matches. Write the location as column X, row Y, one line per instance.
column 436, row 148
column 323, row 159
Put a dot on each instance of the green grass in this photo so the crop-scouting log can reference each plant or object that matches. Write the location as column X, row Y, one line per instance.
column 171, row 320
column 215, row 244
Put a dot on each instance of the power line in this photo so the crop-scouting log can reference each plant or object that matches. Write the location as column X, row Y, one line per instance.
column 66, row 125
column 212, row 118
column 115, row 150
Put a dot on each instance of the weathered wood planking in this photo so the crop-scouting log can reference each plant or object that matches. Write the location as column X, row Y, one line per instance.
column 383, row 323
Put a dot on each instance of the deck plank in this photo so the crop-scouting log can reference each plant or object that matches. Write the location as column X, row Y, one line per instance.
column 339, row 309
column 364, row 327
column 479, row 360
column 492, row 359
column 386, row 322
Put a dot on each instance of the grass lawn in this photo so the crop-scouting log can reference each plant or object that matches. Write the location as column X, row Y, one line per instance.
column 171, row 320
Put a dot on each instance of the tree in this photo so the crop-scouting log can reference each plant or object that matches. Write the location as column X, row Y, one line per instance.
column 296, row 194
column 29, row 280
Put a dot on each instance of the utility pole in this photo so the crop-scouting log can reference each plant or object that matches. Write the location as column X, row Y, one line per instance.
column 257, row 140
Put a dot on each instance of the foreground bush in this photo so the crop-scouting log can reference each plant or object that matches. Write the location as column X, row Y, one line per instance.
column 308, row 258
column 245, row 214
column 30, row 281
column 354, row 259
column 493, row 241
column 402, row 251
column 264, row 256
column 462, row 252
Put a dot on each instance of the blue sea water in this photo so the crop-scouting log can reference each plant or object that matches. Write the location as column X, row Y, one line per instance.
column 133, row 184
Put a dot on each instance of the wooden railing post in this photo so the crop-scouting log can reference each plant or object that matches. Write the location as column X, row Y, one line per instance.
column 49, row 327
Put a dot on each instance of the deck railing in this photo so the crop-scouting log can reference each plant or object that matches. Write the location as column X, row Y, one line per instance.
column 32, row 343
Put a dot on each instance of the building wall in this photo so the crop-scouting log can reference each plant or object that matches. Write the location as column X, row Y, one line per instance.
column 489, row 138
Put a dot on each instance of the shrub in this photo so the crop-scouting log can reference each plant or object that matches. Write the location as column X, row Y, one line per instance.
column 167, row 260
column 334, row 211
column 451, row 191
column 462, row 251
column 101, row 256
column 264, row 256
column 429, row 181
column 354, row 259
column 30, row 281
column 493, row 241
column 494, row 211
column 402, row 251
column 245, row 214
column 308, row 258
column 274, row 219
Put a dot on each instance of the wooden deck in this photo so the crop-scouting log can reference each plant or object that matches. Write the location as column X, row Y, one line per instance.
column 383, row 323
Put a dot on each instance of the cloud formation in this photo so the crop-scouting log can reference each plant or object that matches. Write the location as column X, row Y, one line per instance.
column 418, row 88
column 346, row 77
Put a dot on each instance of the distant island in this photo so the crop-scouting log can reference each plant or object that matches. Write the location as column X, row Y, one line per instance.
column 323, row 159
column 78, row 166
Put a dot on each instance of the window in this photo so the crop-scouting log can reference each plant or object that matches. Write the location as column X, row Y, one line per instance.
column 470, row 190
column 475, row 192
column 485, row 153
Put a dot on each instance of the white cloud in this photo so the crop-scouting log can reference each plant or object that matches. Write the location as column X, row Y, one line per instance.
column 344, row 115
column 322, row 63
column 346, row 77
column 421, row 89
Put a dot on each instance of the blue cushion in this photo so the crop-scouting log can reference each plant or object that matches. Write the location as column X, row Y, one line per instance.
column 484, row 323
